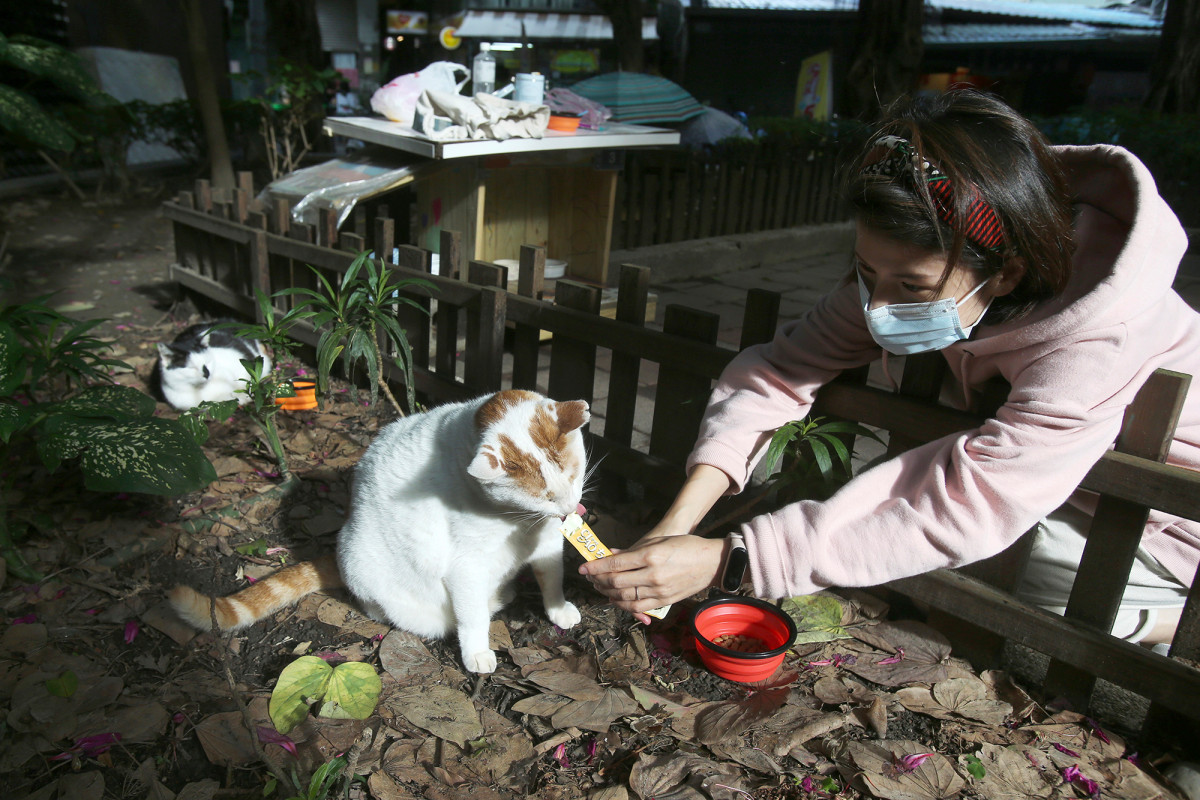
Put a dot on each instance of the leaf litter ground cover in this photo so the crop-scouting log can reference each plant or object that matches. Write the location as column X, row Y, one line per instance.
column 107, row 695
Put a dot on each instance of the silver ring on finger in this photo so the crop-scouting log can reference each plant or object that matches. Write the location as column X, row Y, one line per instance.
column 636, row 596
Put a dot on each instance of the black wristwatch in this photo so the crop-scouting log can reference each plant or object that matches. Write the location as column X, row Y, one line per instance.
column 736, row 563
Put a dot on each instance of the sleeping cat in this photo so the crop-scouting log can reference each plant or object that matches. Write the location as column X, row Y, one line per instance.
column 204, row 364
column 447, row 506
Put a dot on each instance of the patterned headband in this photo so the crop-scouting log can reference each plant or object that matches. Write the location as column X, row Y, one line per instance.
column 983, row 226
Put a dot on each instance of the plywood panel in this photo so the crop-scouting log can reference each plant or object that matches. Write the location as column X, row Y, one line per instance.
column 449, row 198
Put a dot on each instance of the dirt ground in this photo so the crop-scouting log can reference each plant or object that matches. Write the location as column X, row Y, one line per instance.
column 108, row 695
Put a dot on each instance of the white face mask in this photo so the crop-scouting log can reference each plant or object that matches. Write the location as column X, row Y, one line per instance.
column 906, row 328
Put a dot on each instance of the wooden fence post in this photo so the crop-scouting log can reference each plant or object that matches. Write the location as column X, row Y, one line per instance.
column 621, row 407
column 526, row 340
column 681, row 396
column 573, row 362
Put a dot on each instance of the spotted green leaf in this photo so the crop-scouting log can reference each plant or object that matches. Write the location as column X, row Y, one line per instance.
column 12, row 360
column 301, row 683
column 24, row 119
column 50, row 62
column 353, row 691
column 109, row 400
column 149, row 455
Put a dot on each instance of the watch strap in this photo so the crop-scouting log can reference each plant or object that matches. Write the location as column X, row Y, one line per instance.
column 737, row 560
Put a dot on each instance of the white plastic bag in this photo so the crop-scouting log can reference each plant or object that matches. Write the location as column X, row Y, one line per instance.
column 397, row 99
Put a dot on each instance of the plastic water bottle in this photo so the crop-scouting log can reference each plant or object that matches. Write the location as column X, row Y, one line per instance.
column 483, row 72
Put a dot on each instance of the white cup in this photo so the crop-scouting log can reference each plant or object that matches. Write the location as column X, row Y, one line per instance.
column 530, row 87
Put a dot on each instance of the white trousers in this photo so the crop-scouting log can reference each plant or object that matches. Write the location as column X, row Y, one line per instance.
column 1054, row 562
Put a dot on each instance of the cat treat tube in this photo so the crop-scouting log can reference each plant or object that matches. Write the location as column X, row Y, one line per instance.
column 580, row 534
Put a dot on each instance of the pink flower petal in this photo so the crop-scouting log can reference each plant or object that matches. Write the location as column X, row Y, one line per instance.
column 132, row 628
column 28, row 619
column 560, row 755
column 271, row 736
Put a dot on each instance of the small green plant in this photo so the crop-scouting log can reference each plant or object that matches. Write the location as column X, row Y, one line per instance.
column 351, row 318
column 322, row 785
column 58, row 403
column 293, row 99
column 262, row 388
column 814, row 458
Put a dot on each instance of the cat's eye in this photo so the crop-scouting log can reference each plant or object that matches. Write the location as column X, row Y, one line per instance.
column 205, row 369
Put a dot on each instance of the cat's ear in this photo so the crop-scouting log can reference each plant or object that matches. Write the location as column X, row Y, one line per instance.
column 164, row 352
column 486, row 466
column 572, row 415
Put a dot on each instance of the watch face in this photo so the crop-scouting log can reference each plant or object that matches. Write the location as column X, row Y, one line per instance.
column 735, row 568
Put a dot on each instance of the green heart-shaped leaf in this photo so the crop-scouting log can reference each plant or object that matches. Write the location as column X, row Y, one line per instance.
column 353, row 691
column 301, row 683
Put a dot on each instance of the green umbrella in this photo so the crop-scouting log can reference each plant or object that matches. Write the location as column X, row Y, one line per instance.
column 637, row 98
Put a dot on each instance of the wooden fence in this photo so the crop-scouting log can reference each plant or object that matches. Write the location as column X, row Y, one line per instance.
column 482, row 338
column 668, row 196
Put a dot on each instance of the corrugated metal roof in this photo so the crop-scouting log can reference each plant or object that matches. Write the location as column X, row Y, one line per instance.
column 935, row 34
column 506, row 25
column 1059, row 12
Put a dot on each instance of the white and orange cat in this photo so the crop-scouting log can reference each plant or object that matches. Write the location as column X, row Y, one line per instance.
column 446, row 507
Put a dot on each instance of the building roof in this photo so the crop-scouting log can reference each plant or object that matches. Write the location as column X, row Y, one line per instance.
column 1057, row 12
column 974, row 33
column 507, row 25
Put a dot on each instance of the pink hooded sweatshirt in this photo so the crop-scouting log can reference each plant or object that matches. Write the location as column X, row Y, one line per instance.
column 1074, row 364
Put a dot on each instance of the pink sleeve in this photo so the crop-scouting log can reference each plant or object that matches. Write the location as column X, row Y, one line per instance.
column 950, row 502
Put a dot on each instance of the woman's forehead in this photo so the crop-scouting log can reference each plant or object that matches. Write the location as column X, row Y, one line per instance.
column 899, row 259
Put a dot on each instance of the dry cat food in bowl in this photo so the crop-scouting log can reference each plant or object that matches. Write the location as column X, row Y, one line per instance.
column 742, row 638
column 306, row 397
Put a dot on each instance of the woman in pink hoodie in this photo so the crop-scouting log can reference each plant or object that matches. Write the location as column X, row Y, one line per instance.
column 1048, row 267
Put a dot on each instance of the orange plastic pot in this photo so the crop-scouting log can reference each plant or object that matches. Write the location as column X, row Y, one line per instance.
column 742, row 616
column 563, row 124
column 306, row 397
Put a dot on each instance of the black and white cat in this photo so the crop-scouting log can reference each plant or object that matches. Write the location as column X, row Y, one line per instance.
column 204, row 364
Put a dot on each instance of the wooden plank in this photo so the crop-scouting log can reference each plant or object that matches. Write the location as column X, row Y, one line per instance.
column 222, row 229
column 204, row 197
column 451, row 254
column 1116, row 531
column 415, row 321
column 760, row 317
column 280, row 216
column 260, row 269
column 647, row 230
column 484, row 353
column 526, row 341
column 352, row 243
column 384, row 240
column 1128, row 665
column 573, row 361
column 327, row 232
column 633, row 290
column 708, row 202
column 446, row 317
column 241, row 206
column 682, row 393
column 238, row 303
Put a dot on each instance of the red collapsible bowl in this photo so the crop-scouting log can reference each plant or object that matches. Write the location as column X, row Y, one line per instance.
column 742, row 616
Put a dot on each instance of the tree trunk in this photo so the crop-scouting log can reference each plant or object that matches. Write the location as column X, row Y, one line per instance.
column 889, row 57
column 209, row 103
column 626, row 18
column 1175, row 77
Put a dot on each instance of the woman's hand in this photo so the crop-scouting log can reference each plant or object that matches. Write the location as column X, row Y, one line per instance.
column 658, row 570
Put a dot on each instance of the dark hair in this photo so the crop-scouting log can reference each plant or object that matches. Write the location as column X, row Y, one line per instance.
column 988, row 151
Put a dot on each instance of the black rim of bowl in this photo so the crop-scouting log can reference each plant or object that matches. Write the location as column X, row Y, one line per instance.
column 746, row 601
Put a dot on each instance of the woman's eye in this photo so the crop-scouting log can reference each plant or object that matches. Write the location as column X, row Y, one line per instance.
column 912, row 287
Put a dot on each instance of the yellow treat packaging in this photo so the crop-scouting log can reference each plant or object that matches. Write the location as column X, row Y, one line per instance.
column 580, row 534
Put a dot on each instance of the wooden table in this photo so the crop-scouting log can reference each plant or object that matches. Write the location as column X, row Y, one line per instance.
column 558, row 191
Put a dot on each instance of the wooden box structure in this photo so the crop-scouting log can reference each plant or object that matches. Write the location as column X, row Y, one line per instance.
column 225, row 251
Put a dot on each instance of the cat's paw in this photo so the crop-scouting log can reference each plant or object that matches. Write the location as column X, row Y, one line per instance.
column 482, row 662
column 565, row 615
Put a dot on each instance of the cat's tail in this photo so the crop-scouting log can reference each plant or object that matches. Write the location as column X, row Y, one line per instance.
column 253, row 603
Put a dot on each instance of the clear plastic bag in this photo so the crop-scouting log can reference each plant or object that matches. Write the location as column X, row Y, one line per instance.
column 592, row 114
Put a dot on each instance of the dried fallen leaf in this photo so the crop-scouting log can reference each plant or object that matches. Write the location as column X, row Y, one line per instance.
column 728, row 720
column 335, row 612
column 970, row 698
column 541, row 705
column 82, row 786
column 225, row 739
column 677, row 776
column 442, row 710
column 932, row 778
column 597, row 714
column 925, row 652
column 1008, row 775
